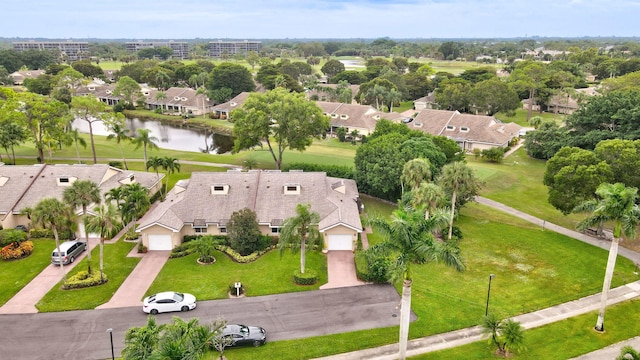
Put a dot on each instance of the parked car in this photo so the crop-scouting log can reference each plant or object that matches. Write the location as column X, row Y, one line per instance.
column 242, row 335
column 21, row 228
column 167, row 302
column 69, row 251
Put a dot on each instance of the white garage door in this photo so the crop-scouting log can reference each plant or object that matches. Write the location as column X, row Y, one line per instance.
column 81, row 232
column 160, row 242
column 340, row 242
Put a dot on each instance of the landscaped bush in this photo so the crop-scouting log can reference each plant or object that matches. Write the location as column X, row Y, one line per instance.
column 235, row 256
column 83, row 279
column 217, row 238
column 46, row 233
column 372, row 265
column 181, row 250
column 16, row 250
column 244, row 232
column 308, row 278
column 9, row 236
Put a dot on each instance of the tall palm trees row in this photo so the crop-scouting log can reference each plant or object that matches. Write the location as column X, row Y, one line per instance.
column 123, row 205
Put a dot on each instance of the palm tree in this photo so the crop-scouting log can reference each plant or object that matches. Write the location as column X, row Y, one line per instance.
column 53, row 213
column 141, row 342
column 155, row 163
column 78, row 140
column 104, row 222
column 505, row 335
column 457, row 179
column 135, row 203
column 171, row 165
column 414, row 172
column 83, row 193
column 121, row 134
column 616, row 203
column 299, row 231
column 160, row 96
column 409, row 239
column 145, row 140
column 430, row 195
column 392, row 96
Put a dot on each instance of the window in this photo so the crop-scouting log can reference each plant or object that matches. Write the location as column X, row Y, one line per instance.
column 200, row 229
column 275, row 230
column 64, row 179
column 218, row 188
column 292, row 188
column 450, row 127
column 464, row 129
column 223, row 230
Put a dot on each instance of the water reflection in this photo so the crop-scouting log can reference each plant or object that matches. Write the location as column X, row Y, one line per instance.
column 170, row 137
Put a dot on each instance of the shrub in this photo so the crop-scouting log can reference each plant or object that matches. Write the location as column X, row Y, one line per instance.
column 83, row 279
column 495, row 154
column 181, row 250
column 16, row 250
column 244, row 232
column 372, row 265
column 233, row 291
column 9, row 236
column 308, row 278
column 235, row 256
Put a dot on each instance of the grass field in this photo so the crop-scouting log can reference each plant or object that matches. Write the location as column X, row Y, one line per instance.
column 18, row 273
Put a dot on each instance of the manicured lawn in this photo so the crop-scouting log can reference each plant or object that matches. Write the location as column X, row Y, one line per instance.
column 560, row 340
column 117, row 267
column 520, row 117
column 517, row 182
column 18, row 273
column 271, row 274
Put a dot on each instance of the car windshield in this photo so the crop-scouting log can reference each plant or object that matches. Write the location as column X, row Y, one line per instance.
column 178, row 296
column 244, row 329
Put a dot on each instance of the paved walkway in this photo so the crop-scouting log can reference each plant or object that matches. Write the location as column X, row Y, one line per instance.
column 610, row 352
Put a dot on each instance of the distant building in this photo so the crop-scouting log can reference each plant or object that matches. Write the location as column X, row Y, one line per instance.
column 219, row 48
column 70, row 50
column 180, row 49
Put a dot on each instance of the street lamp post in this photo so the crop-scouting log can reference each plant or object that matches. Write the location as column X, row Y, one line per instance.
column 110, row 331
column 486, row 309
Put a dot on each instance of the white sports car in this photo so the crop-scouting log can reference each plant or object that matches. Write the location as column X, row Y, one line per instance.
column 167, row 302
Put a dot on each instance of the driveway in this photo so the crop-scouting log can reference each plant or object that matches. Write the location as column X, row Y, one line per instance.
column 341, row 269
column 26, row 299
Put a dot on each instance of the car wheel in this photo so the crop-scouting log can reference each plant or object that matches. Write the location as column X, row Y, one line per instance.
column 184, row 308
column 257, row 343
column 71, row 260
column 154, row 311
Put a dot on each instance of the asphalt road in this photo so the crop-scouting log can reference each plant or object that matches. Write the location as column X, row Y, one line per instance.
column 83, row 335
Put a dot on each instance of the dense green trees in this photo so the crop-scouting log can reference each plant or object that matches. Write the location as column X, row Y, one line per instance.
column 231, row 76
column 279, row 119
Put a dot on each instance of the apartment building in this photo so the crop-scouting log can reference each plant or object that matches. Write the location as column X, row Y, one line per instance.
column 180, row 49
column 219, row 48
column 70, row 50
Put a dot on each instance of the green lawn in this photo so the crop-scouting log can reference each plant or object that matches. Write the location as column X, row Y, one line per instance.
column 533, row 269
column 517, row 182
column 18, row 273
column 271, row 274
column 520, row 117
column 117, row 266
column 560, row 340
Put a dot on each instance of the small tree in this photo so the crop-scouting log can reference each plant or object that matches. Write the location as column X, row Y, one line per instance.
column 506, row 335
column 218, row 341
column 205, row 246
column 243, row 231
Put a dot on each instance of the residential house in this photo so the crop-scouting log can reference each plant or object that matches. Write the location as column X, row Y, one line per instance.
column 24, row 186
column 425, row 102
column 469, row 131
column 362, row 118
column 19, row 76
column 178, row 101
column 567, row 104
column 204, row 204
column 223, row 111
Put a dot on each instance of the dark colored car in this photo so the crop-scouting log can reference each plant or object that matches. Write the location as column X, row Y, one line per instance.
column 241, row 335
column 21, row 228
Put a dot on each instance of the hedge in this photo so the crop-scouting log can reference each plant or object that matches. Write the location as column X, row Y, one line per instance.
column 83, row 279
column 339, row 171
column 235, row 256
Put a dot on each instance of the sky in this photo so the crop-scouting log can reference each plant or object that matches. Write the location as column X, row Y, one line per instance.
column 316, row 19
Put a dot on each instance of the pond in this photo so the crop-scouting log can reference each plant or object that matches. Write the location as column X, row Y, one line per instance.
column 172, row 137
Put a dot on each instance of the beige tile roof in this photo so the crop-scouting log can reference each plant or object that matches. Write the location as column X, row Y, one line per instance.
column 467, row 127
column 232, row 104
column 28, row 185
column 177, row 96
column 262, row 192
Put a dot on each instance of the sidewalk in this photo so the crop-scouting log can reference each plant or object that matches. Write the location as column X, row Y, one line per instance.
column 473, row 334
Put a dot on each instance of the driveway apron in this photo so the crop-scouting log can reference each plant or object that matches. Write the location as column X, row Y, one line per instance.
column 341, row 269
column 132, row 290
